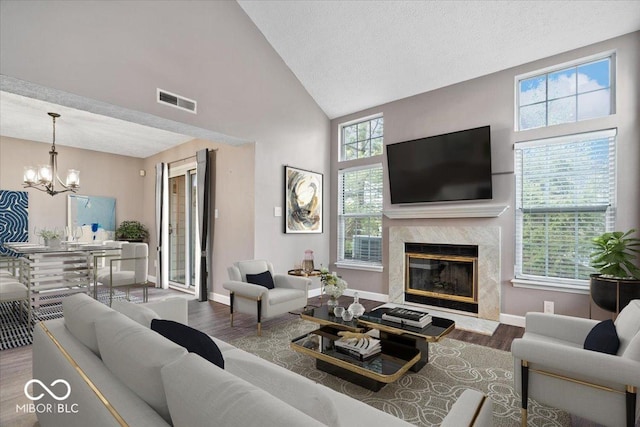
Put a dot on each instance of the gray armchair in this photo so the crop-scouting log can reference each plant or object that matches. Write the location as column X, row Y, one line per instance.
column 552, row 367
column 289, row 293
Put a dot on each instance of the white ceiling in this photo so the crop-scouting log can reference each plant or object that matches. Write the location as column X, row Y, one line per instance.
column 353, row 55
column 350, row 56
column 26, row 118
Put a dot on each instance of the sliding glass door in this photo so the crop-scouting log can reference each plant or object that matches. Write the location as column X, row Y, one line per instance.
column 183, row 235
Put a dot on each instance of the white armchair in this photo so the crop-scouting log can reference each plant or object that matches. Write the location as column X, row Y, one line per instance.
column 289, row 293
column 552, row 367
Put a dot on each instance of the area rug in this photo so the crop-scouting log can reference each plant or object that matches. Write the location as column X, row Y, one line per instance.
column 421, row 398
column 16, row 333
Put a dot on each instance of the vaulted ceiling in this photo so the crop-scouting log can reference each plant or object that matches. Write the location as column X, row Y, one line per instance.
column 354, row 55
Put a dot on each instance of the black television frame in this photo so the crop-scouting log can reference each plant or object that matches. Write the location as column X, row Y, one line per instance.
column 484, row 190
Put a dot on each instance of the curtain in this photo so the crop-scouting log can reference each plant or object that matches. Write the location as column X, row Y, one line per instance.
column 205, row 171
column 162, row 206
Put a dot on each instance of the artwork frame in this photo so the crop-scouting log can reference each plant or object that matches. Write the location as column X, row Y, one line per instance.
column 304, row 201
column 93, row 216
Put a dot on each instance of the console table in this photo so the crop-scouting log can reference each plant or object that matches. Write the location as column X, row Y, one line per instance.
column 403, row 347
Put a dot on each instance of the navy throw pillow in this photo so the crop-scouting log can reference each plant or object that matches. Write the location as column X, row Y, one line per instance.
column 192, row 339
column 263, row 279
column 603, row 338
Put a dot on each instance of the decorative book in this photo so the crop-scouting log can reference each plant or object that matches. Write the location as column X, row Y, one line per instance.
column 361, row 348
column 405, row 316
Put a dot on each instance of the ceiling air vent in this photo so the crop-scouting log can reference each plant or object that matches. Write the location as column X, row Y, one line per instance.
column 177, row 101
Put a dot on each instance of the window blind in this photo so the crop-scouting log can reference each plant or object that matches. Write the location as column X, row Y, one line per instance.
column 565, row 196
column 360, row 214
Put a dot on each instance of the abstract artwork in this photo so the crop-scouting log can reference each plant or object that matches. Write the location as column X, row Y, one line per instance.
column 303, row 201
column 91, row 218
column 14, row 217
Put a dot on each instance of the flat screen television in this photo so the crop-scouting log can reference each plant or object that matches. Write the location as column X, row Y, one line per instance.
column 449, row 167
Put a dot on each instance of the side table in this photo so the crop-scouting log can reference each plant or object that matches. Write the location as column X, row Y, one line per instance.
column 301, row 273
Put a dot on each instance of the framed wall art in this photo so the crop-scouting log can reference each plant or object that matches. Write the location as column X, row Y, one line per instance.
column 303, row 201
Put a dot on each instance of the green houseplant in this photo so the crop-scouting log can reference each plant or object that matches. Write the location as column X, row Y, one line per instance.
column 132, row 231
column 618, row 279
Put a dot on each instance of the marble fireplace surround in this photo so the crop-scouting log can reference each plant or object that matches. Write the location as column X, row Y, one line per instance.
column 486, row 238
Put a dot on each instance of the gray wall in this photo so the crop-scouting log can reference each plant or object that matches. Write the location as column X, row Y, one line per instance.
column 119, row 52
column 489, row 100
column 51, row 212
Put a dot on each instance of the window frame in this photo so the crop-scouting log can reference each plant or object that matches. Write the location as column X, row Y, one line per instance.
column 549, row 282
column 611, row 54
column 369, row 162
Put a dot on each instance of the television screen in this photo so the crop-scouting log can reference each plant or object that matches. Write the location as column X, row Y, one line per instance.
column 453, row 166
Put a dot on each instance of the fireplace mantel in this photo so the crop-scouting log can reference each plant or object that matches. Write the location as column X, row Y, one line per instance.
column 469, row 210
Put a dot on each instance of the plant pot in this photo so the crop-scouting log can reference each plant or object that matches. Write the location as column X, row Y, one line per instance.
column 613, row 294
column 52, row 243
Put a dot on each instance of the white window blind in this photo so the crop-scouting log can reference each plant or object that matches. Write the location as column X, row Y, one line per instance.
column 360, row 214
column 565, row 196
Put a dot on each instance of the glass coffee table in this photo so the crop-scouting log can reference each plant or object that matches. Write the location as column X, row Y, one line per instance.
column 404, row 348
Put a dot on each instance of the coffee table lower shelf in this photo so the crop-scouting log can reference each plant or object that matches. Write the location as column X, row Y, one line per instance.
column 373, row 374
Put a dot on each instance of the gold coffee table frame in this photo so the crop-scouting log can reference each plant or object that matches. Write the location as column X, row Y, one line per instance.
column 403, row 348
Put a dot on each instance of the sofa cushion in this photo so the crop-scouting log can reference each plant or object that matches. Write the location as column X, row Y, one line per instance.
column 289, row 386
column 603, row 338
column 628, row 325
column 50, row 364
column 80, row 314
column 201, row 394
column 137, row 312
column 192, row 339
column 263, row 279
column 135, row 355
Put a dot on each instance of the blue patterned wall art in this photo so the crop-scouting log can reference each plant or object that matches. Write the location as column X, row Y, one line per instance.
column 14, row 218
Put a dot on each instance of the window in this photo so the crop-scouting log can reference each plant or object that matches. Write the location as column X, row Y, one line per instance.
column 566, row 94
column 360, row 194
column 362, row 139
column 565, row 196
column 360, row 214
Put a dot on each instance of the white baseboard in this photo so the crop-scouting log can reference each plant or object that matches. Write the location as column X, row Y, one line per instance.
column 222, row 299
column 512, row 319
column 373, row 296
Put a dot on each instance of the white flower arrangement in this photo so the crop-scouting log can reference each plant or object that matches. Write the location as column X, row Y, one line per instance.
column 333, row 285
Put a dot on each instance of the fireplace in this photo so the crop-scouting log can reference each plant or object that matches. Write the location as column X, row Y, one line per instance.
column 486, row 287
column 442, row 275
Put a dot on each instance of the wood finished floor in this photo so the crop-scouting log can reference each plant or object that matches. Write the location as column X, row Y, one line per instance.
column 211, row 318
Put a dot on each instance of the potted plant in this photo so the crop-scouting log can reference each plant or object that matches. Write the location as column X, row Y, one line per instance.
column 51, row 237
column 132, row 231
column 618, row 279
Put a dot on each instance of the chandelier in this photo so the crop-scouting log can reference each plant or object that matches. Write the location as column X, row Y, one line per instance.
column 44, row 177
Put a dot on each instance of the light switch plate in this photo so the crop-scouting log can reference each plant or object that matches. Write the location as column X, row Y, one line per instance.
column 277, row 211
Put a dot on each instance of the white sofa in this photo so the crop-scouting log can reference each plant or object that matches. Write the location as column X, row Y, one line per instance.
column 120, row 372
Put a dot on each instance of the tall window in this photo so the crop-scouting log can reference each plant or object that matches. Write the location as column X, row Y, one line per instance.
column 565, row 196
column 360, row 193
column 566, row 94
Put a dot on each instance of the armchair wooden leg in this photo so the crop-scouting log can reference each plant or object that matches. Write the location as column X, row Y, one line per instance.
column 259, row 316
column 631, row 405
column 231, row 307
column 525, row 391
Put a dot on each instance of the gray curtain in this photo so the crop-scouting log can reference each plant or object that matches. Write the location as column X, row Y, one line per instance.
column 161, row 176
column 206, row 172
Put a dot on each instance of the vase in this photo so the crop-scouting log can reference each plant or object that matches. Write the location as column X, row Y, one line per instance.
column 332, row 302
column 356, row 308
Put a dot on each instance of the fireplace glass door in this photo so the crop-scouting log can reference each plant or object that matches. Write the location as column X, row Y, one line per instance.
column 442, row 276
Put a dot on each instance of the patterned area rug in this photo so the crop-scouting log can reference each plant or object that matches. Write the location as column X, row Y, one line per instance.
column 421, row 398
column 16, row 333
